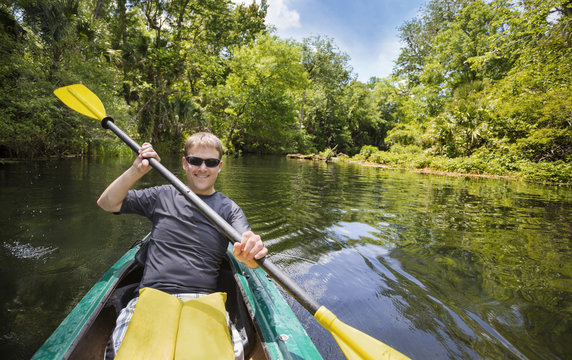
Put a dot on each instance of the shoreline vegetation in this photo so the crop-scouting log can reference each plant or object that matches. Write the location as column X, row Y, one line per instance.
column 482, row 88
column 548, row 173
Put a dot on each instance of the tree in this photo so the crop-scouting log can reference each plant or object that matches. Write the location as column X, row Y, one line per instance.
column 324, row 104
column 183, row 52
column 419, row 37
column 49, row 44
column 534, row 98
column 492, row 75
column 464, row 125
column 255, row 108
column 366, row 125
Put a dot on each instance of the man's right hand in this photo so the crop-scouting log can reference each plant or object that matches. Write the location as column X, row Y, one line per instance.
column 145, row 152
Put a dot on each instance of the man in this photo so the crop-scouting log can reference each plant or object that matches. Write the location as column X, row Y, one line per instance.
column 185, row 249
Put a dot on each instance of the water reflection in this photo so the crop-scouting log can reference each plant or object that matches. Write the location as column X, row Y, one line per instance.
column 438, row 267
column 473, row 264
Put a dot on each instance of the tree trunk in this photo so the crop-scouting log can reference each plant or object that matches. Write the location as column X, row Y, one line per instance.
column 229, row 137
column 97, row 9
column 302, row 109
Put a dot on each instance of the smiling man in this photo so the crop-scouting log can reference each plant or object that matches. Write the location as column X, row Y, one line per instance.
column 185, row 250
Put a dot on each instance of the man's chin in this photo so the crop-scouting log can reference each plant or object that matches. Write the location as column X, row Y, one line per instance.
column 202, row 190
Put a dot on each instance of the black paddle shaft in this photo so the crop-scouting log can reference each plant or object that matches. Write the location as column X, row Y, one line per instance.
column 277, row 274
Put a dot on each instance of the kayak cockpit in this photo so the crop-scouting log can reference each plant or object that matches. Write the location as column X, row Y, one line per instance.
column 254, row 303
column 91, row 343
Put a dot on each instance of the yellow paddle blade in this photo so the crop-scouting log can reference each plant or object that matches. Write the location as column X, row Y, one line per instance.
column 81, row 99
column 355, row 344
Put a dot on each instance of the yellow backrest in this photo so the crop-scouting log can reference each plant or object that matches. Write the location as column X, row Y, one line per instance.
column 163, row 327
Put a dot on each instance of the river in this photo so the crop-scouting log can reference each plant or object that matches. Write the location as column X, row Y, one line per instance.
column 438, row 267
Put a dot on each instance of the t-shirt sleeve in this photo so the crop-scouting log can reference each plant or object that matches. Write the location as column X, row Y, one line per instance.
column 140, row 202
column 237, row 219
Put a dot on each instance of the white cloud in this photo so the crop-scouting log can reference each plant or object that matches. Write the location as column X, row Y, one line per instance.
column 388, row 53
column 373, row 47
column 281, row 16
column 375, row 58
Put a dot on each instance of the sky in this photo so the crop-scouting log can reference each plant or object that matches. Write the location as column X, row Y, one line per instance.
column 366, row 30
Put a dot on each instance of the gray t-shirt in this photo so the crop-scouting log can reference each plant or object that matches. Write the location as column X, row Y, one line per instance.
column 185, row 249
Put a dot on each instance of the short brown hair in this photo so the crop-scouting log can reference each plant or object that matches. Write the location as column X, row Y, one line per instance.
column 203, row 139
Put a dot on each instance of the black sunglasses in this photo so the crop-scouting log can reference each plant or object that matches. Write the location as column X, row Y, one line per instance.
column 197, row 161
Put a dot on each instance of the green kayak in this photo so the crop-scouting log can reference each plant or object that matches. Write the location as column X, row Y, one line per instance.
column 254, row 304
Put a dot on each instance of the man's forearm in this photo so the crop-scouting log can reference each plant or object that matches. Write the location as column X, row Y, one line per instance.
column 112, row 198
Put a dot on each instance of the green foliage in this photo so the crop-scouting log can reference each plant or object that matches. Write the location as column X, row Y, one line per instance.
column 325, row 102
column 405, row 134
column 256, row 109
column 301, row 142
column 464, row 124
column 406, row 149
column 54, row 49
column 479, row 86
column 550, row 172
column 482, row 162
column 366, row 151
column 364, row 120
column 482, row 82
column 547, row 144
column 108, row 146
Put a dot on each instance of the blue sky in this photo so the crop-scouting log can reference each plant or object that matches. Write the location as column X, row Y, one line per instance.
column 366, row 30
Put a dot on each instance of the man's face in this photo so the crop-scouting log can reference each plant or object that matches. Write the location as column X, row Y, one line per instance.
column 201, row 178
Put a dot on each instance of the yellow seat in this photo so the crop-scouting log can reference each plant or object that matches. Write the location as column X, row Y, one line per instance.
column 164, row 327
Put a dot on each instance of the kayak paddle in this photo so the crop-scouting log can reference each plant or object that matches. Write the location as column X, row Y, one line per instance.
column 355, row 344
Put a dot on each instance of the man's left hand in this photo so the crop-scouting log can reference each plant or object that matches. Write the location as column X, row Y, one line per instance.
column 249, row 249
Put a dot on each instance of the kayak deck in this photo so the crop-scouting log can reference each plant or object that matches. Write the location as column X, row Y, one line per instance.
column 253, row 301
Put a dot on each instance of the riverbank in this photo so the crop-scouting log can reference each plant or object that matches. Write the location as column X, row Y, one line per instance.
column 481, row 165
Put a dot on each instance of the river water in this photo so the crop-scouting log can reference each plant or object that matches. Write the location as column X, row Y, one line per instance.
column 438, row 267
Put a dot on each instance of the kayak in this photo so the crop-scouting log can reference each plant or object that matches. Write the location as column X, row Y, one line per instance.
column 254, row 303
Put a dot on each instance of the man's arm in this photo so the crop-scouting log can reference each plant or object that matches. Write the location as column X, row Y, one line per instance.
column 112, row 198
